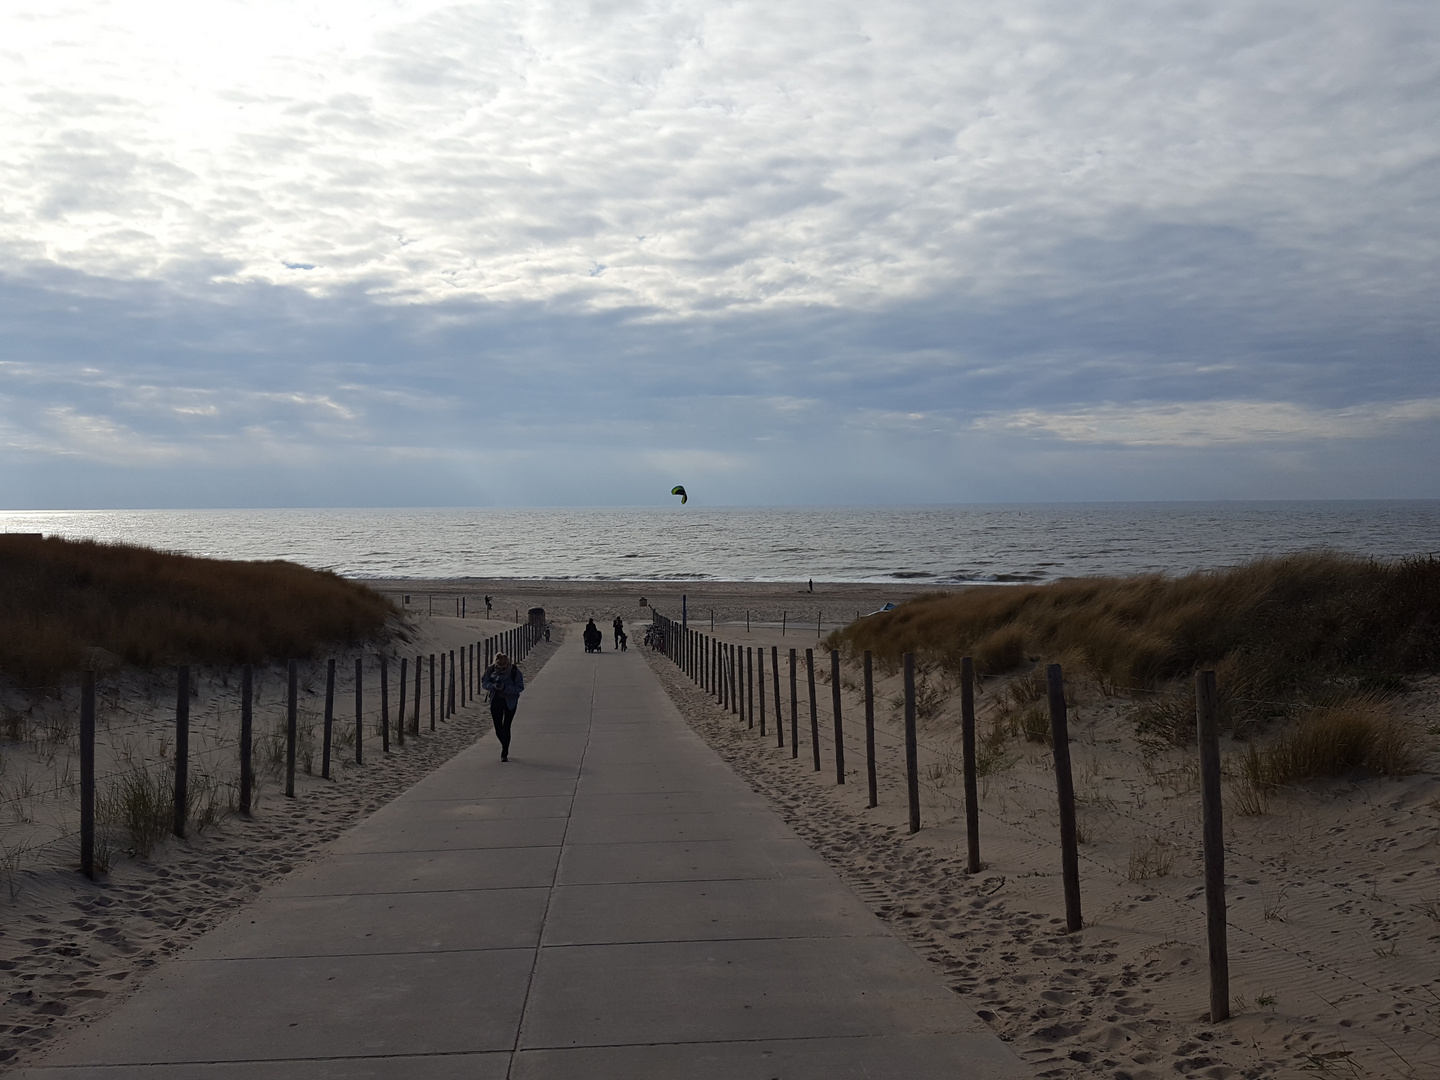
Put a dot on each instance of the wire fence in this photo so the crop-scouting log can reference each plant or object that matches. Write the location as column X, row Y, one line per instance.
column 94, row 771
column 1145, row 829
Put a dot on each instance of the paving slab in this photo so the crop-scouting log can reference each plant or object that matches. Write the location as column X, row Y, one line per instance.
column 612, row 902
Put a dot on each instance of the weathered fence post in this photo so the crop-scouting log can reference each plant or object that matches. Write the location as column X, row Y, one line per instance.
column 967, row 747
column 384, row 703
column 359, row 711
column 870, row 731
column 452, row 682
column 329, row 717
column 1065, row 789
column 750, row 685
column 182, row 747
column 247, row 737
column 87, row 774
column 794, row 710
column 432, row 691
column 463, row 686
column 912, row 753
column 835, row 702
column 775, row 679
column 442, row 686
column 292, row 723
column 760, row 681
column 1207, row 717
column 784, row 617
column 419, row 663
column 400, row 708
column 814, row 711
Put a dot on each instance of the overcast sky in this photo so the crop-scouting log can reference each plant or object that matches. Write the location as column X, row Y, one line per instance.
column 355, row 253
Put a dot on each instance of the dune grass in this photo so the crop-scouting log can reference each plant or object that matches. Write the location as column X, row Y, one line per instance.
column 1317, row 626
column 60, row 600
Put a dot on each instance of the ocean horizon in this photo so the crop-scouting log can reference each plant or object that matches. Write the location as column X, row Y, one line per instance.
column 941, row 545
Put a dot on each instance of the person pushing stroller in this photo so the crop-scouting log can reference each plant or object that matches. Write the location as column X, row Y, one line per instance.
column 593, row 637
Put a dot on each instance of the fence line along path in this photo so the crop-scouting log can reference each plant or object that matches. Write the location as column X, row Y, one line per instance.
column 612, row 902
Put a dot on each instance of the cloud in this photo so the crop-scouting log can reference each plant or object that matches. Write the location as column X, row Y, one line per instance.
column 838, row 251
column 1216, row 423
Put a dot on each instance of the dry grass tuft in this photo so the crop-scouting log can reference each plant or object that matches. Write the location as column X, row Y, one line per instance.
column 1354, row 736
column 63, row 603
column 1316, row 624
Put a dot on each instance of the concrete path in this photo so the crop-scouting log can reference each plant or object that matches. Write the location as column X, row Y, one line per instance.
column 611, row 903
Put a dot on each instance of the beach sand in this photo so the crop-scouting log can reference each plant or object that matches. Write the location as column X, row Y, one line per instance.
column 1334, row 892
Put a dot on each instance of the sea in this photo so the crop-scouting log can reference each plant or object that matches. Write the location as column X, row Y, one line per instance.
column 941, row 545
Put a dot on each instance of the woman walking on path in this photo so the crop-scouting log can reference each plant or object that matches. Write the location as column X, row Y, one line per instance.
column 504, row 681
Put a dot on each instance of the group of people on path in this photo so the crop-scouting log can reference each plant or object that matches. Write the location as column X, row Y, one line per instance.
column 593, row 636
column 504, row 682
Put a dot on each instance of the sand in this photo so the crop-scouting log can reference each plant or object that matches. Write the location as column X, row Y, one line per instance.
column 1334, row 891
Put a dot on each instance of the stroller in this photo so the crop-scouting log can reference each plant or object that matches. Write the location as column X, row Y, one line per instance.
column 593, row 638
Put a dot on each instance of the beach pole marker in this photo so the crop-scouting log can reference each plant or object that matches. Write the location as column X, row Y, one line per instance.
column 452, row 682
column 784, row 616
column 775, row 676
column 247, row 737
column 292, row 722
column 1065, row 790
column 418, row 665
column 359, row 711
column 967, row 745
column 329, row 717
column 835, row 702
column 912, row 764
column 814, row 710
column 182, row 747
column 87, row 774
column 794, row 711
column 432, row 691
column 1207, row 719
column 870, row 731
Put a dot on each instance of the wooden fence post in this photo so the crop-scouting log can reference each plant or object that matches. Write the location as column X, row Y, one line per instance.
column 835, row 704
column 442, row 686
column 1065, row 789
column 870, row 731
column 750, row 684
column 912, row 755
column 87, row 774
column 967, row 747
column 814, row 709
column 760, row 677
column 1207, row 718
column 329, row 717
column 182, row 747
column 794, row 711
column 452, row 682
column 775, row 678
column 359, row 711
column 400, row 708
column 432, row 691
column 784, row 618
column 418, row 666
column 292, row 723
column 247, row 737
column 384, row 703
column 463, row 687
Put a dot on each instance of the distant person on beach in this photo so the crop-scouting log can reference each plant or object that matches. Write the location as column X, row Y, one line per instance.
column 487, row 607
column 812, row 584
column 504, row 681
column 619, row 625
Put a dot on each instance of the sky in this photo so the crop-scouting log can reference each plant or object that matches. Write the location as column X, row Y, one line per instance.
column 418, row 253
